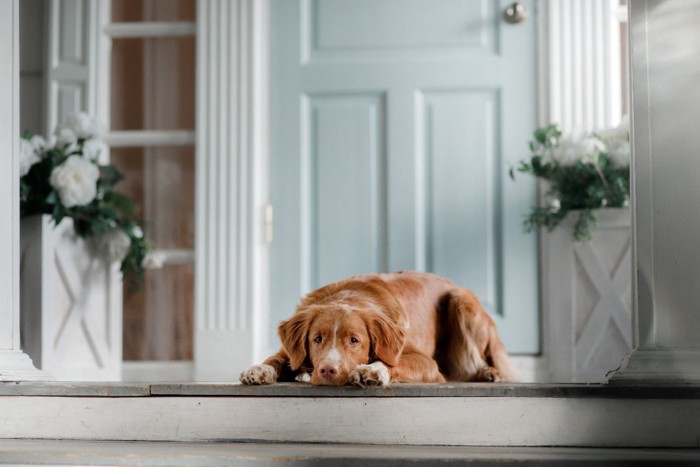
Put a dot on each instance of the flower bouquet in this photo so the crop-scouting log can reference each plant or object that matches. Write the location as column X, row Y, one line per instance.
column 585, row 171
column 64, row 178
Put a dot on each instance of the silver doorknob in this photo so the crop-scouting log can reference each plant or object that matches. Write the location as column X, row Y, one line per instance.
column 515, row 13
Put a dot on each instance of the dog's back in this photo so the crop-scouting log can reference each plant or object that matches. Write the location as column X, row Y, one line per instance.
column 448, row 323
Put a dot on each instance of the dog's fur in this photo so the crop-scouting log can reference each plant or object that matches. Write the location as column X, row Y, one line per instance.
column 372, row 329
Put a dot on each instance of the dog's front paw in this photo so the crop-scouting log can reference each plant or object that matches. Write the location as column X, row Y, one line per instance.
column 374, row 374
column 259, row 374
column 303, row 377
column 489, row 374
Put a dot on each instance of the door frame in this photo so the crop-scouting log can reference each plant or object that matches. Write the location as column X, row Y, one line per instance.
column 551, row 68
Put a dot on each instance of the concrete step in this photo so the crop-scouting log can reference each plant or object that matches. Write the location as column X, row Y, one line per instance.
column 42, row 452
column 469, row 415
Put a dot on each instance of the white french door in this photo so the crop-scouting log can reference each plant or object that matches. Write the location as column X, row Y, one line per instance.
column 131, row 65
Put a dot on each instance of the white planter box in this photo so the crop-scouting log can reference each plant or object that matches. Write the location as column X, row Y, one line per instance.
column 70, row 304
column 587, row 298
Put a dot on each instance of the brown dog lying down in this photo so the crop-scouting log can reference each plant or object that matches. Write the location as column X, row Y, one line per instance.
column 372, row 329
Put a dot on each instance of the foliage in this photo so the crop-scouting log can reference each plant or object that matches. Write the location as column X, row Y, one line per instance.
column 584, row 171
column 86, row 194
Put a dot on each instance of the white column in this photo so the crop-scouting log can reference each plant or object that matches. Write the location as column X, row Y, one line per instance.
column 665, row 61
column 232, row 143
column 580, row 63
column 14, row 364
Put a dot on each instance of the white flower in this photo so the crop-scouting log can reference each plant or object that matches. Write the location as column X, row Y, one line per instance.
column 65, row 137
column 114, row 244
column 92, row 149
column 38, row 143
column 28, row 156
column 555, row 204
column 76, row 181
column 617, row 141
column 577, row 147
column 153, row 260
column 137, row 231
column 619, row 152
column 82, row 125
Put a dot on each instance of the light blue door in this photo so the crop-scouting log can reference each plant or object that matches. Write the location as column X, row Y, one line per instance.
column 394, row 124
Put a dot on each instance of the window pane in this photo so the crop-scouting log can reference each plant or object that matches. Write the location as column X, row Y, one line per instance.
column 153, row 88
column 161, row 181
column 153, row 83
column 158, row 319
column 153, row 10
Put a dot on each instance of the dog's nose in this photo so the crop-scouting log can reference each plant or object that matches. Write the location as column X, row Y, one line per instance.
column 328, row 371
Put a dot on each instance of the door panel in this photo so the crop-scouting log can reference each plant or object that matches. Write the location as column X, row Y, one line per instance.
column 459, row 160
column 393, row 127
column 446, row 24
column 345, row 201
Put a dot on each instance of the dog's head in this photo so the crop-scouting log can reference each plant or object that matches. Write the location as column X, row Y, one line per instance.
column 334, row 338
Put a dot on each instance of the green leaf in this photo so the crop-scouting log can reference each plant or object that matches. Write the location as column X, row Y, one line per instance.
column 540, row 135
column 59, row 212
column 52, row 198
column 120, row 203
column 110, row 175
column 586, row 222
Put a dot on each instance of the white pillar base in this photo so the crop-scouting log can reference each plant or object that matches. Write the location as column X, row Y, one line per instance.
column 17, row 366
column 671, row 366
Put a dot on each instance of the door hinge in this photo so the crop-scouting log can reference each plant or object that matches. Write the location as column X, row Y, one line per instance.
column 268, row 223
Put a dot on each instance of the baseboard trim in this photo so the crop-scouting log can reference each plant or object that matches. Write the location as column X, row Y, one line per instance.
column 672, row 366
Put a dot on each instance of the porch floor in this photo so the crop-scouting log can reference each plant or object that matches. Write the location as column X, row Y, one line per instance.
column 117, row 389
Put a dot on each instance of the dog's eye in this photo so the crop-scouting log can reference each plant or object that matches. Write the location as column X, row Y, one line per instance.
column 353, row 340
column 318, row 339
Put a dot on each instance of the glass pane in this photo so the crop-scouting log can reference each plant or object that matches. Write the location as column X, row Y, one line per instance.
column 161, row 181
column 31, row 66
column 153, row 88
column 158, row 319
column 153, row 84
column 153, row 10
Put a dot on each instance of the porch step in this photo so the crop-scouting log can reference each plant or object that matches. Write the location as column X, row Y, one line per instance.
column 468, row 415
column 42, row 452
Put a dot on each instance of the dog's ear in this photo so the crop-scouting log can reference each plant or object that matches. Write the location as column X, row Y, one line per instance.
column 387, row 338
column 293, row 334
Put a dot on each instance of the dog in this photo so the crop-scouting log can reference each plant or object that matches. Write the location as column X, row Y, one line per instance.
column 373, row 329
